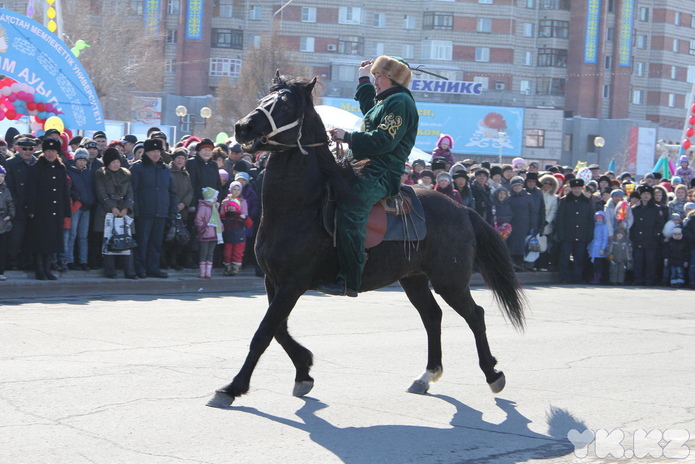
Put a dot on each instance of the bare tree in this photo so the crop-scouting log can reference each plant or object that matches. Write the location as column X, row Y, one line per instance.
column 120, row 58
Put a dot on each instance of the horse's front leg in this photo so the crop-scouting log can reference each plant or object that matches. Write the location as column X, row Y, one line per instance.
column 281, row 305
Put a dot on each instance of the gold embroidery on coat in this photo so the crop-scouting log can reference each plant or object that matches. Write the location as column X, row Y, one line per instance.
column 391, row 124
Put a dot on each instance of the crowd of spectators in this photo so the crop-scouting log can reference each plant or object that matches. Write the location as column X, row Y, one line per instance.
column 56, row 195
column 594, row 228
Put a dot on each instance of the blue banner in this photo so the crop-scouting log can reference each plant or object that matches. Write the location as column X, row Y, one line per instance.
column 152, row 17
column 194, row 19
column 625, row 37
column 476, row 129
column 31, row 54
column 593, row 17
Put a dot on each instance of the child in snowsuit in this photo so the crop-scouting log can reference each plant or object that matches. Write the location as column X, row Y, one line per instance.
column 684, row 171
column 675, row 258
column 598, row 246
column 444, row 145
column 209, row 228
column 620, row 256
column 235, row 220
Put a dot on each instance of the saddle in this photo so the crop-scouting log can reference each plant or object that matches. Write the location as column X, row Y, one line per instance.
column 397, row 218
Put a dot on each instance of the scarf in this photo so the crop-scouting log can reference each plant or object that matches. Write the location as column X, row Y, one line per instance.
column 210, row 196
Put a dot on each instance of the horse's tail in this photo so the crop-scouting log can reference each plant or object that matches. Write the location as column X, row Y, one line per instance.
column 492, row 258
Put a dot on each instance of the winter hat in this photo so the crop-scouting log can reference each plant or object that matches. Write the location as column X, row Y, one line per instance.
column 153, row 144
column 190, row 140
column 649, row 175
column 2, row 170
column 532, row 176
column 138, row 146
column 209, row 194
column 448, row 138
column 620, row 230
column 129, row 138
column 181, row 151
column 600, row 213
column 458, row 174
column 445, row 176
column 559, row 177
column 438, row 163
column 617, row 192
column 111, row 154
column 98, row 134
column 241, row 166
column 235, row 184
column 420, row 162
column 224, row 175
column 577, row 182
column 81, row 153
column 393, row 67
column 677, row 230
column 518, row 163
column 517, row 180
column 645, row 188
column 684, row 159
column 625, row 175
column 507, row 167
column 50, row 144
column 674, row 216
column 688, row 206
column 677, row 179
column 243, row 175
column 205, row 143
column 427, row 173
column 234, row 203
column 482, row 171
column 495, row 170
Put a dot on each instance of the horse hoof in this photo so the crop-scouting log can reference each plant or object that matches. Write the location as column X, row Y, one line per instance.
column 498, row 385
column 419, row 387
column 302, row 388
column 220, row 400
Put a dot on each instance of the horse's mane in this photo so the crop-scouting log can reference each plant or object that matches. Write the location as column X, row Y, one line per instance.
column 339, row 174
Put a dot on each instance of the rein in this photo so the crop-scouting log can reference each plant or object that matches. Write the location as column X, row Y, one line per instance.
column 266, row 138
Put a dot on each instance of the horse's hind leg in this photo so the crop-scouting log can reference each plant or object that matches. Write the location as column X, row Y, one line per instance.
column 418, row 291
column 461, row 300
column 301, row 357
column 283, row 300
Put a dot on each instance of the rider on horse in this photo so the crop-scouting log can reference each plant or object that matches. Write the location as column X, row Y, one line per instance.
column 390, row 127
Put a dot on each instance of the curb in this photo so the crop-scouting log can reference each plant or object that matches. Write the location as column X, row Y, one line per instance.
column 22, row 285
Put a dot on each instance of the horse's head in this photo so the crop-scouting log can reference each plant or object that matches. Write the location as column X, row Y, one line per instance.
column 278, row 120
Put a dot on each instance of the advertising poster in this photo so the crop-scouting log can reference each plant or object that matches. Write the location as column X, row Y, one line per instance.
column 147, row 110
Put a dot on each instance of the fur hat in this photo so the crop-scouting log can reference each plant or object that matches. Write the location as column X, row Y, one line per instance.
column 495, row 170
column 645, row 188
column 438, row 163
column 532, row 176
column 110, row 155
column 81, row 153
column 181, row 151
column 445, row 176
column 393, row 67
column 427, row 173
column 153, row 144
column 576, row 182
column 50, row 144
column 205, row 143
column 482, row 171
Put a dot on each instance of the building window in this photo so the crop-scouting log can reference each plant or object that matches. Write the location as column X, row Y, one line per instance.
column 691, row 50
column 170, row 36
column 555, row 4
column 482, row 54
column 254, row 41
column 408, row 51
column 379, row 20
column 408, row 22
column 227, row 38
column 528, row 29
column 225, row 67
column 308, row 14
column 487, row 2
column 439, row 21
column 351, row 45
column 692, row 21
column 672, row 100
column 640, row 69
column 347, row 73
column 674, row 72
column 173, row 7
column 437, row 49
column 606, row 91
column 528, row 59
column 531, row 4
column 638, row 97
column 525, row 87
column 223, row 8
column 550, row 86
column 169, row 66
column 676, row 45
column 378, row 48
column 677, row 18
column 483, row 80
column 306, row 44
column 608, row 62
column 255, row 13
column 641, row 41
column 534, row 138
column 644, row 14
column 484, row 25
column 609, row 34
column 552, row 57
column 551, row 28
column 350, row 15
column 136, row 7
column 611, row 6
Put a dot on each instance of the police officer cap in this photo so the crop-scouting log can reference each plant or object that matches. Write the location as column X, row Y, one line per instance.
column 26, row 142
column 153, row 144
column 594, row 166
column 50, row 144
column 576, row 182
column 645, row 188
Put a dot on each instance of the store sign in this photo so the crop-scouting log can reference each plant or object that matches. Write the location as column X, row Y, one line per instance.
column 437, row 86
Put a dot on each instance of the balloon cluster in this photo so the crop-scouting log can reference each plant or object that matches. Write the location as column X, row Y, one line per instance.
column 18, row 99
column 690, row 131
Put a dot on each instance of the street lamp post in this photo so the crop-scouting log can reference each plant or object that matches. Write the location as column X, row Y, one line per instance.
column 181, row 112
column 205, row 113
column 502, row 137
column 599, row 142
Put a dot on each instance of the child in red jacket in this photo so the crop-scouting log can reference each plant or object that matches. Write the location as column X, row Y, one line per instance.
column 235, row 220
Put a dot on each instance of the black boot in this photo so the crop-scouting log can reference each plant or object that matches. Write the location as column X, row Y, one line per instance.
column 40, row 272
column 337, row 287
column 47, row 267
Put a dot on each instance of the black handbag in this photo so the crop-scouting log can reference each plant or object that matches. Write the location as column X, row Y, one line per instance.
column 120, row 242
column 178, row 233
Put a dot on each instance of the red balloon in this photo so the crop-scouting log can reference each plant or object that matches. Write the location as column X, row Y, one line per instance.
column 686, row 143
column 41, row 107
column 692, row 108
column 12, row 97
column 31, row 106
column 690, row 132
column 49, row 107
column 692, row 120
column 10, row 114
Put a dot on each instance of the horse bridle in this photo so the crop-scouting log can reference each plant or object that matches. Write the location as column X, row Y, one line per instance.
column 265, row 139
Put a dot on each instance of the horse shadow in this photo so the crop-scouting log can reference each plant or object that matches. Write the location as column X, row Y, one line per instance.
column 469, row 438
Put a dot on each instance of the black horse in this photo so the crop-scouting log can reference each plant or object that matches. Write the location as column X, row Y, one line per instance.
column 297, row 254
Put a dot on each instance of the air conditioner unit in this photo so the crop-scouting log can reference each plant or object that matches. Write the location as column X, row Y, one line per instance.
column 499, row 85
column 331, row 47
